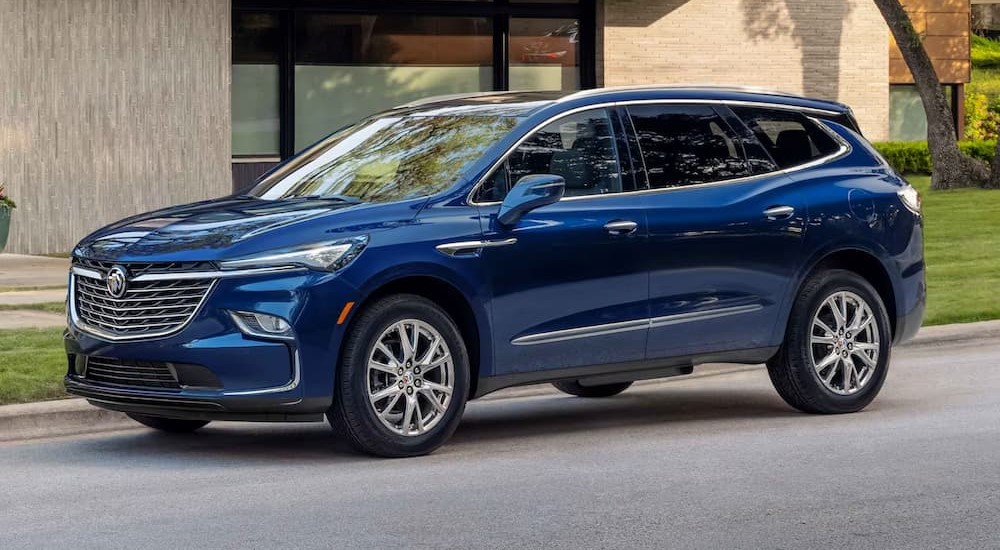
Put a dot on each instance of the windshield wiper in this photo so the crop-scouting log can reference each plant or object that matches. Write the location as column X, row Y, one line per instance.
column 339, row 198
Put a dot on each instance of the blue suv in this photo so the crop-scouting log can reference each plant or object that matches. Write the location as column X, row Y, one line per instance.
column 442, row 250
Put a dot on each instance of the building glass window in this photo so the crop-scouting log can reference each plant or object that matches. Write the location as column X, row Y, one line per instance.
column 349, row 66
column 300, row 73
column 255, row 75
column 907, row 119
column 544, row 54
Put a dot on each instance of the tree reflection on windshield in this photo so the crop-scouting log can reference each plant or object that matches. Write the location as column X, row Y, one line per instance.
column 388, row 158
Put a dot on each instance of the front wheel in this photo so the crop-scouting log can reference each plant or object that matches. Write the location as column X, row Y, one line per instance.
column 836, row 351
column 403, row 379
column 169, row 425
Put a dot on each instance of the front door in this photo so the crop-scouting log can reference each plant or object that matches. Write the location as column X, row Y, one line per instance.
column 572, row 290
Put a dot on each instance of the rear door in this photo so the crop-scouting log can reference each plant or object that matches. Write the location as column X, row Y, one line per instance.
column 725, row 230
column 571, row 289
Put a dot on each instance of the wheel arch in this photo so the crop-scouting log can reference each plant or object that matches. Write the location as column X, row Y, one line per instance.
column 472, row 324
column 862, row 261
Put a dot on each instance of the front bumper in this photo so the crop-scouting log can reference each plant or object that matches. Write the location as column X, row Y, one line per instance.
column 252, row 378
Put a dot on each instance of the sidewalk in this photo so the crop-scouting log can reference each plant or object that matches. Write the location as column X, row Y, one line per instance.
column 32, row 272
column 30, row 280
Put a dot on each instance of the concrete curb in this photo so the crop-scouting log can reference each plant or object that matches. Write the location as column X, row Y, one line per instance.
column 57, row 418
column 76, row 416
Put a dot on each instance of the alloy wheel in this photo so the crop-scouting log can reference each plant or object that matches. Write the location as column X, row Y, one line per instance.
column 410, row 377
column 844, row 343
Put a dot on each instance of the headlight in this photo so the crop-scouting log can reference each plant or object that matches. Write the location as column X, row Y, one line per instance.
column 910, row 198
column 322, row 257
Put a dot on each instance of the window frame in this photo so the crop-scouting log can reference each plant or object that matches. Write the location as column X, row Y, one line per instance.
column 627, row 178
column 815, row 118
column 734, row 135
column 807, row 121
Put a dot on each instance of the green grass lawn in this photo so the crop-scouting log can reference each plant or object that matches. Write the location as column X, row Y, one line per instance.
column 962, row 237
column 32, row 365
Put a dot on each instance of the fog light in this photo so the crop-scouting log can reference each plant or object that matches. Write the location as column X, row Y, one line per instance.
column 261, row 324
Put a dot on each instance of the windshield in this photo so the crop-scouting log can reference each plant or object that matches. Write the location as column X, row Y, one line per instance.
column 387, row 158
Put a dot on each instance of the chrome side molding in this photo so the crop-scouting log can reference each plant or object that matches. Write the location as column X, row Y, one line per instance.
column 637, row 324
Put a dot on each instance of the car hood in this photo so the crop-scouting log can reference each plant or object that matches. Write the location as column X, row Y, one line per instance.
column 211, row 230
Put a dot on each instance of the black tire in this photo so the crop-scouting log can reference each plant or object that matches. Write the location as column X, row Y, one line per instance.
column 573, row 387
column 169, row 425
column 353, row 416
column 791, row 369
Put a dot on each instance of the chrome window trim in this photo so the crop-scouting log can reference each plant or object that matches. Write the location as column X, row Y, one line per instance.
column 108, row 337
column 637, row 324
column 844, row 150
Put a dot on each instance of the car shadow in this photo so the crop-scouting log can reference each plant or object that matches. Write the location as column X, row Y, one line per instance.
column 670, row 409
column 487, row 422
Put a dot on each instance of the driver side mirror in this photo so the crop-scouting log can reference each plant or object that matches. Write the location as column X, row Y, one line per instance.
column 530, row 192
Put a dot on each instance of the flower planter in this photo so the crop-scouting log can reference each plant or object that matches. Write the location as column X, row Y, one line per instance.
column 4, row 226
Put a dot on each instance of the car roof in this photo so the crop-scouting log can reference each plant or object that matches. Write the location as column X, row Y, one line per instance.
column 521, row 103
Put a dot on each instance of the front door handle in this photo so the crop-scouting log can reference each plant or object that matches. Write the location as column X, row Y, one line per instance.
column 621, row 227
column 779, row 212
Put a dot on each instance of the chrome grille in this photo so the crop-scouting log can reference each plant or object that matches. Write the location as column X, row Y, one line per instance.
column 149, row 308
column 137, row 269
column 121, row 372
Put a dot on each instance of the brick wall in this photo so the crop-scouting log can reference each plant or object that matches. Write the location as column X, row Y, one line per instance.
column 832, row 49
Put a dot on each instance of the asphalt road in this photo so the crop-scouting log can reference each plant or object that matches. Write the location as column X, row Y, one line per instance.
column 714, row 462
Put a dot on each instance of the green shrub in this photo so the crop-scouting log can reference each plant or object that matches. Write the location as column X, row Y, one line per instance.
column 982, row 116
column 913, row 157
column 985, row 52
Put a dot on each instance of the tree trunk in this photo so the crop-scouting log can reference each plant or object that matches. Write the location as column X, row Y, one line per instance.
column 952, row 168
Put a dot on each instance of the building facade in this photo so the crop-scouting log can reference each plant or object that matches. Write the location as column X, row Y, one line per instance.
column 114, row 107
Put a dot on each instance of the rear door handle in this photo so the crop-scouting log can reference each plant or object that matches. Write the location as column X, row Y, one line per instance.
column 621, row 227
column 779, row 212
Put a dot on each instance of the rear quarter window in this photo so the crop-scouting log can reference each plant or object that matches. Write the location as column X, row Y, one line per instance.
column 791, row 138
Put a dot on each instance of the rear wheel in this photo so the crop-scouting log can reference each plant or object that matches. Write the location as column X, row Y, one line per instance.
column 169, row 425
column 403, row 380
column 836, row 351
column 573, row 387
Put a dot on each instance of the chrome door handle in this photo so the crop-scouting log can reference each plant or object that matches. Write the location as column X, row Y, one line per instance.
column 778, row 212
column 621, row 227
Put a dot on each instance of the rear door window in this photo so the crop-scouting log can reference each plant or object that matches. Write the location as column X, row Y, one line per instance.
column 791, row 138
column 686, row 145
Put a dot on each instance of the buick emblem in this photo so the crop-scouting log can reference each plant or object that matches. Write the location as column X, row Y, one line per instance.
column 117, row 282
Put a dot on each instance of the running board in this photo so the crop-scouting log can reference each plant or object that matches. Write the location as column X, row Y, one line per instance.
column 619, row 377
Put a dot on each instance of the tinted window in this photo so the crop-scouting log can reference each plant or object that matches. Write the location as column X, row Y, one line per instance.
column 790, row 137
column 686, row 145
column 579, row 147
